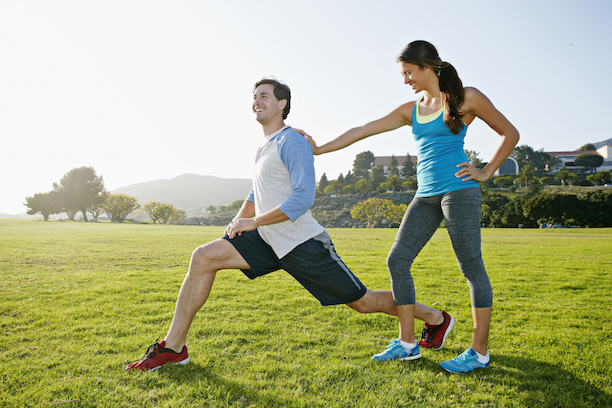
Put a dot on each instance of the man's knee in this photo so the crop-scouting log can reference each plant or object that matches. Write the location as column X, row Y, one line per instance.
column 360, row 306
column 215, row 256
column 366, row 304
column 205, row 258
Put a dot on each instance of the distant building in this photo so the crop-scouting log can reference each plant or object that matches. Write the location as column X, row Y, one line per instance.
column 567, row 158
column 384, row 161
column 510, row 166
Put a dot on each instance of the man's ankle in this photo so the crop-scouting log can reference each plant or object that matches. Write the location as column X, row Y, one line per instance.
column 177, row 348
column 438, row 320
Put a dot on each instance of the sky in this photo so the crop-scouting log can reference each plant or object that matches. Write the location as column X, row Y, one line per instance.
column 143, row 90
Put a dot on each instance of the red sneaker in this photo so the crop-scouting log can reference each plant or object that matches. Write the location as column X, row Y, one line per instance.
column 156, row 356
column 434, row 336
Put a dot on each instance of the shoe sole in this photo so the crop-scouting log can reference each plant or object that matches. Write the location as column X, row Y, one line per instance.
column 462, row 372
column 183, row 362
column 410, row 357
column 448, row 330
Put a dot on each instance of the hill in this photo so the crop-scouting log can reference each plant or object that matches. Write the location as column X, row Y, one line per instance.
column 190, row 191
column 603, row 143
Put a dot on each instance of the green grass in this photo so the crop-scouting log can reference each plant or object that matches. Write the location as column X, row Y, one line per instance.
column 79, row 301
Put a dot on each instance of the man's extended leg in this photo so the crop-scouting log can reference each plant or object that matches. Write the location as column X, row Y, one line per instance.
column 206, row 261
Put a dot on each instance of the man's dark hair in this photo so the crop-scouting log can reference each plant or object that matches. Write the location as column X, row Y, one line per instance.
column 281, row 91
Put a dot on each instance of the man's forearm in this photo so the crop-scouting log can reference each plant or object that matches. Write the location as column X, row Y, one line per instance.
column 246, row 211
column 270, row 217
column 244, row 220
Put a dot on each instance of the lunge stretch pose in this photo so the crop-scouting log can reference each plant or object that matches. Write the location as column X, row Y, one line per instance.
column 447, row 190
column 273, row 230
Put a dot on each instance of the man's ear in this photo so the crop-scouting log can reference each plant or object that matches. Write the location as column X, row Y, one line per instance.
column 282, row 103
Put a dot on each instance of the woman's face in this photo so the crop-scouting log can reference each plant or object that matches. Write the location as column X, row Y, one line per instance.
column 414, row 75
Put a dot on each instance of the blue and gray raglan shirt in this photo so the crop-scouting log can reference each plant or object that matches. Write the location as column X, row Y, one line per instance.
column 284, row 177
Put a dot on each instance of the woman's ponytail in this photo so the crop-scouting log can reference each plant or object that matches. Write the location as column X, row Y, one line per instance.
column 453, row 96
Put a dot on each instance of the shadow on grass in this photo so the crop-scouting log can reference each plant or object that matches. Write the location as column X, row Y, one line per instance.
column 541, row 384
column 531, row 383
column 215, row 388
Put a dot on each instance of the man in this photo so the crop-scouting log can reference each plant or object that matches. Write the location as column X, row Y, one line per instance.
column 273, row 230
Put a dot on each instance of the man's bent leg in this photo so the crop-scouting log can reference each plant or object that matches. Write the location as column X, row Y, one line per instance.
column 206, row 260
column 381, row 301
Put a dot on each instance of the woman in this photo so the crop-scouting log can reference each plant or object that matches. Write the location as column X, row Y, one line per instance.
column 447, row 190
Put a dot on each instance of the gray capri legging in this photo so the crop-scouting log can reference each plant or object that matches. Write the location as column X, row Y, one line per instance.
column 460, row 210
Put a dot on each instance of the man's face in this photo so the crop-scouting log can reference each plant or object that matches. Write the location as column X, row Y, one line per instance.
column 265, row 104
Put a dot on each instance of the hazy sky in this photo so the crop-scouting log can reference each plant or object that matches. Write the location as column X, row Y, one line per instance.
column 146, row 90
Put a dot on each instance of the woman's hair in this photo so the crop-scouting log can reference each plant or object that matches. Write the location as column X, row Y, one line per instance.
column 424, row 54
column 281, row 91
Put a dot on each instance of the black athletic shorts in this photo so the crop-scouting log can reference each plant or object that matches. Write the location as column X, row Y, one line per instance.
column 313, row 263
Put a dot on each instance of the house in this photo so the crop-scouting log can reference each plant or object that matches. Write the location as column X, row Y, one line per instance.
column 567, row 158
column 384, row 161
column 508, row 167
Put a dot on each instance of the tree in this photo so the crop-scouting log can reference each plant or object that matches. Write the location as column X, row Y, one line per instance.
column 493, row 201
column 393, row 183
column 511, row 214
column 377, row 176
column 333, row 188
column 178, row 216
column 553, row 208
column 566, row 176
column 601, row 177
column 45, row 203
column 350, row 189
column 151, row 208
column 473, row 158
column 323, row 183
column 503, row 181
column 235, row 206
column 165, row 213
column 349, row 179
column 546, row 180
column 597, row 206
column 392, row 169
column 374, row 210
column 362, row 164
column 97, row 209
column 408, row 168
column 82, row 188
column 410, row 184
column 363, row 186
column 340, row 180
column 562, row 175
column 525, row 155
column 588, row 146
column 526, row 174
column 589, row 161
column 119, row 206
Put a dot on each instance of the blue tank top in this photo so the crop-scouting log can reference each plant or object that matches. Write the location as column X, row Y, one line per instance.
column 439, row 151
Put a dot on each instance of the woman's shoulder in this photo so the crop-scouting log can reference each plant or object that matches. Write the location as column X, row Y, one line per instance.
column 471, row 92
column 473, row 99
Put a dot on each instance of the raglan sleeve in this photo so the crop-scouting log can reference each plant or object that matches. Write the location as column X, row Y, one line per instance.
column 296, row 154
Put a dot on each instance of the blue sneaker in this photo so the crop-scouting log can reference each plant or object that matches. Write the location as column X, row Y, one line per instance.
column 463, row 363
column 396, row 350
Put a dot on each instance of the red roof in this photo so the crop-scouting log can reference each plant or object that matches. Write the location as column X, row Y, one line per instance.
column 384, row 160
column 573, row 153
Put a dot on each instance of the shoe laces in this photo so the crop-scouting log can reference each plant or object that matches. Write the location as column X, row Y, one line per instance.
column 428, row 334
column 152, row 350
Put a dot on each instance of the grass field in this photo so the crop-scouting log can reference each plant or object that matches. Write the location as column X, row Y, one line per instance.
column 81, row 300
